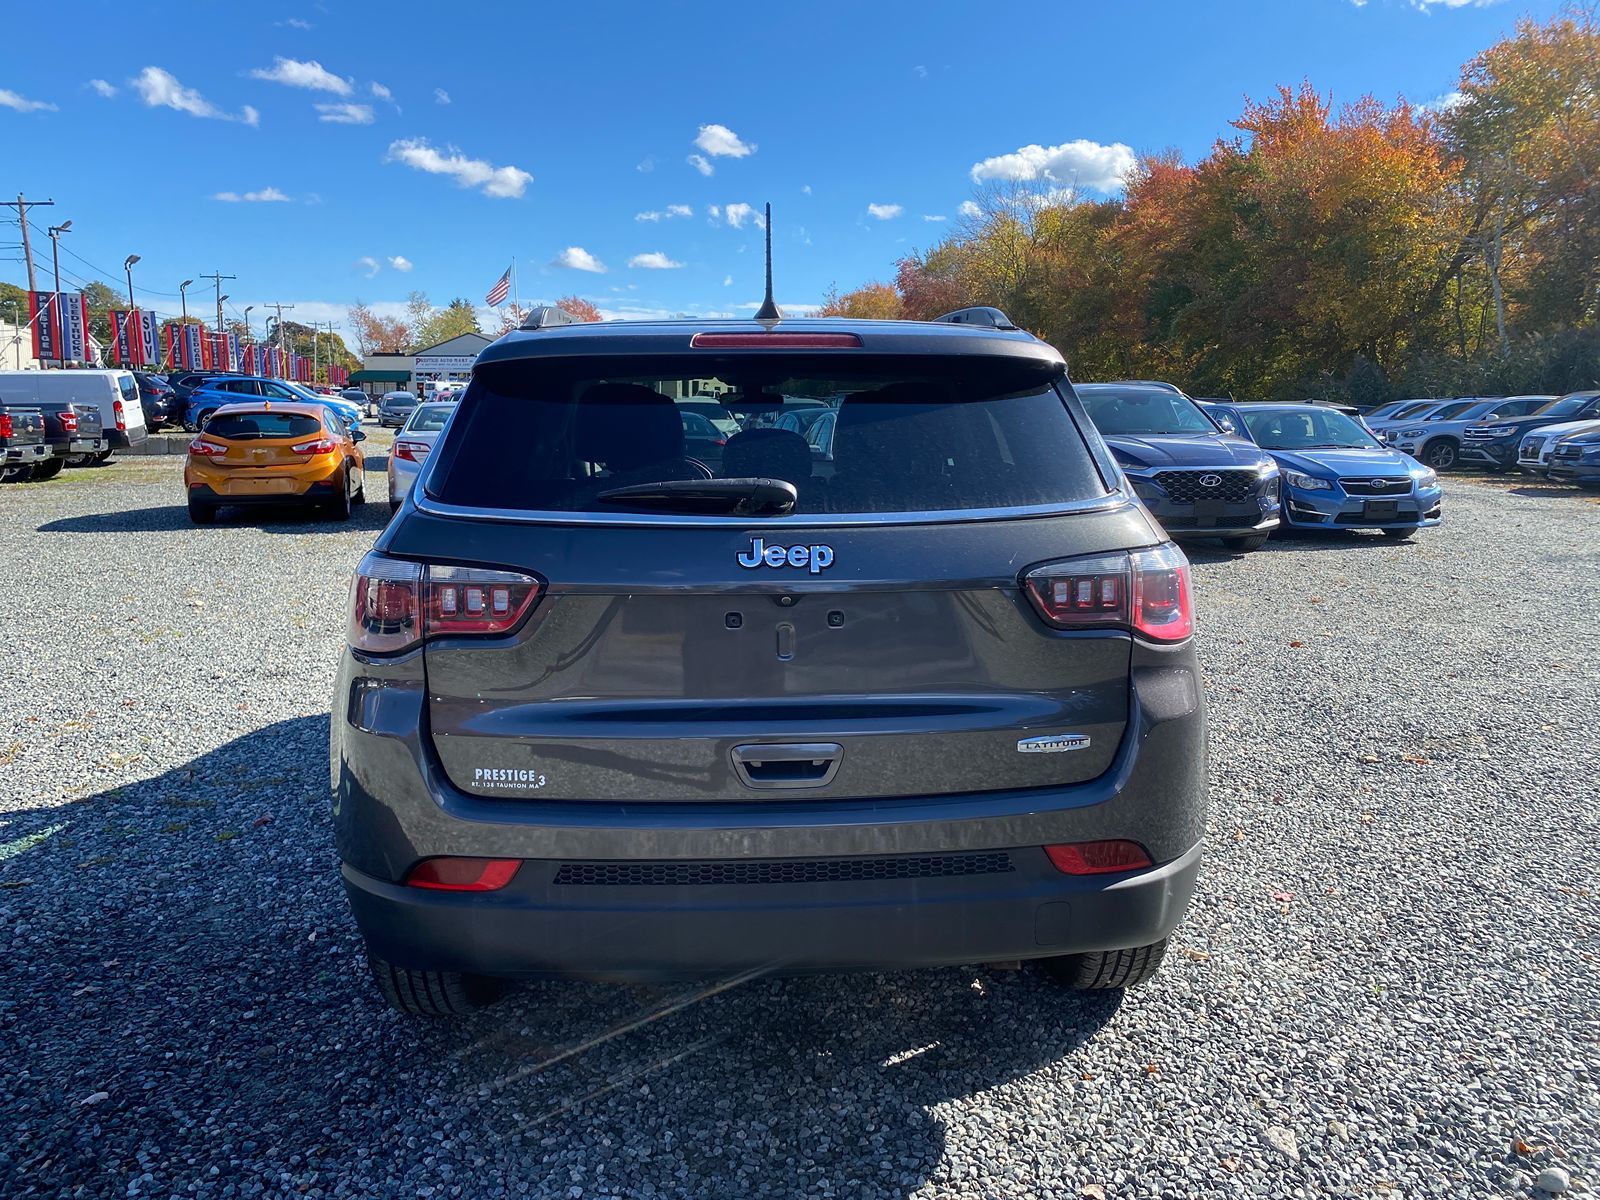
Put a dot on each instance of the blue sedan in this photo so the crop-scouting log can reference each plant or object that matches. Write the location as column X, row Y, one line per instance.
column 235, row 389
column 1336, row 475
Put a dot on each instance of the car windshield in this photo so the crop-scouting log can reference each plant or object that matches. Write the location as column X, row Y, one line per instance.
column 1564, row 407
column 430, row 418
column 907, row 435
column 1138, row 410
column 247, row 425
column 1308, row 429
column 1450, row 411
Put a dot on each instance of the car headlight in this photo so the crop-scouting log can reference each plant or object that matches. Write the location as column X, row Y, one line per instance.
column 1495, row 431
column 1414, row 433
column 1426, row 478
column 1308, row 483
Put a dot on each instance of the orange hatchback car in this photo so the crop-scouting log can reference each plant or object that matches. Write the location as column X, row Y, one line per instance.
column 274, row 453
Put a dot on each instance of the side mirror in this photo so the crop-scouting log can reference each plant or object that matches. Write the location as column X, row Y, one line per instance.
column 358, row 436
column 1227, row 425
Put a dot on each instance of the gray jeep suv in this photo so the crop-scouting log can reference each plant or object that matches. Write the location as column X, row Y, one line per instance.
column 921, row 691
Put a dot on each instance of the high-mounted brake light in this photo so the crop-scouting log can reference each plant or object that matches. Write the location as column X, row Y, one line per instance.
column 452, row 874
column 775, row 341
column 1098, row 858
column 411, row 451
column 1144, row 591
column 320, row 446
column 122, row 419
column 395, row 605
column 206, row 449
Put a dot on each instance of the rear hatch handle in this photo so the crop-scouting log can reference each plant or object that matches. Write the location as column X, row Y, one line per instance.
column 787, row 764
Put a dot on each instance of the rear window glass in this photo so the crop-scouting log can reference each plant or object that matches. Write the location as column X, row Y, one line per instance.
column 263, row 425
column 862, row 436
column 430, row 418
column 1139, row 410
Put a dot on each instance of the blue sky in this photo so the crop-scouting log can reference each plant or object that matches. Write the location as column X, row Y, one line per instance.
column 324, row 152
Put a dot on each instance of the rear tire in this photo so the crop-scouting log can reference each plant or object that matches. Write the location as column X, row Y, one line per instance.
column 103, row 457
column 1107, row 968
column 1400, row 535
column 339, row 506
column 432, row 993
column 48, row 469
column 202, row 514
column 1243, row 545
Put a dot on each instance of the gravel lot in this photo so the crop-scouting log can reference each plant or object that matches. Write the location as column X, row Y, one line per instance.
column 1387, row 987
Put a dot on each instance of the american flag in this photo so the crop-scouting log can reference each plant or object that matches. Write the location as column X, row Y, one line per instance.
column 501, row 289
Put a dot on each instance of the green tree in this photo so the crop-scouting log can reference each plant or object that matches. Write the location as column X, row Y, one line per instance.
column 456, row 318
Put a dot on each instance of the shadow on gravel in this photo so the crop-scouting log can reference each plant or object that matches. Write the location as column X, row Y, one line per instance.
column 182, row 989
column 372, row 515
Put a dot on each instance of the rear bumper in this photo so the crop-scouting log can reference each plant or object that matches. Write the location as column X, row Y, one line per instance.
column 536, row 926
column 122, row 439
column 35, row 452
column 402, row 474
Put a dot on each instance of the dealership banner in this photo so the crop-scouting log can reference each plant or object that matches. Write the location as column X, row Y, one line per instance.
column 247, row 358
column 133, row 337
column 122, row 337
column 149, row 348
column 60, row 326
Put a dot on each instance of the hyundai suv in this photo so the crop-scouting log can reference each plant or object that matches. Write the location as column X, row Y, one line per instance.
column 927, row 696
column 1197, row 478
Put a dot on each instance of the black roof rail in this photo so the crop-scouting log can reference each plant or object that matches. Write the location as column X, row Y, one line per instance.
column 991, row 317
column 546, row 315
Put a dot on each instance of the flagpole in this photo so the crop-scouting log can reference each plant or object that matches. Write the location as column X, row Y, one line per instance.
column 516, row 296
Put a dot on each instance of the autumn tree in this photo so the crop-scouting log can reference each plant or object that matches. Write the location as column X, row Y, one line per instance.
column 442, row 324
column 584, row 310
column 875, row 302
column 375, row 334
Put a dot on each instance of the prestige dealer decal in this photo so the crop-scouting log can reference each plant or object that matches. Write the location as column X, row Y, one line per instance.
column 506, row 779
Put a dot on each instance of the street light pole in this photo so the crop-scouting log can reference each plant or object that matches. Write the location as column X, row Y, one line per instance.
column 127, row 326
column 55, row 300
column 183, row 298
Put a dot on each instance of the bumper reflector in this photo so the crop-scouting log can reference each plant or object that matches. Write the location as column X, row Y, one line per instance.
column 1098, row 858
column 463, row 874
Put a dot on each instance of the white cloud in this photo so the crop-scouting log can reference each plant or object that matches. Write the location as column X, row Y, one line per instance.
column 1082, row 164
column 440, row 96
column 296, row 23
column 738, row 214
column 699, row 163
column 381, row 92
column 645, row 165
column 885, row 212
column 1444, row 103
column 499, row 182
column 727, row 281
column 160, row 89
column 310, row 74
column 721, row 142
column 805, row 190
column 345, row 114
column 934, row 217
column 654, row 261
column 576, row 258
column 400, row 262
column 672, row 211
column 10, row 99
column 713, row 213
column 369, row 266
column 920, row 71
column 267, row 195
column 102, row 88
column 679, row 210
column 970, row 210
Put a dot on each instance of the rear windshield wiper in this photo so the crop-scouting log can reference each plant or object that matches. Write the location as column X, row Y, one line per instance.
column 748, row 497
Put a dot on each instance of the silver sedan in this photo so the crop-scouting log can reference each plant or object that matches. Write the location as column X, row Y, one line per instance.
column 412, row 446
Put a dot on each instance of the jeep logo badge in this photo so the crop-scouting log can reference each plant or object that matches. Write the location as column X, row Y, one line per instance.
column 816, row 559
column 1211, row 481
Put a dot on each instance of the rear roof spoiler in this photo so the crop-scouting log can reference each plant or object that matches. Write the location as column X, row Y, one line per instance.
column 993, row 318
column 547, row 315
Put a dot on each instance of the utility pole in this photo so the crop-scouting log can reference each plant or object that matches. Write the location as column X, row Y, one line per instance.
column 217, row 279
column 22, row 206
column 279, row 308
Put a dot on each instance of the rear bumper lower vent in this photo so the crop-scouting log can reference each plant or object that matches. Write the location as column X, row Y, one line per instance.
column 803, row 870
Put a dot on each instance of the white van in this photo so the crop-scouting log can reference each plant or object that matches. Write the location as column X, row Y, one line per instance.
column 114, row 393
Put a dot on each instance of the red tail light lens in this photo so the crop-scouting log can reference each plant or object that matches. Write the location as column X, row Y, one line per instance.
column 1144, row 591
column 206, row 449
column 320, row 446
column 463, row 874
column 122, row 419
column 775, row 341
column 395, row 605
column 411, row 451
column 1098, row 858
column 6, row 428
column 69, row 421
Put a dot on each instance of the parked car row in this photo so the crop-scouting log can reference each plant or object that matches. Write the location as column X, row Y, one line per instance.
column 55, row 419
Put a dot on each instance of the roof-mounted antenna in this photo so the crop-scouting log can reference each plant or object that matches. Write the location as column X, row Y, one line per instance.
column 769, row 307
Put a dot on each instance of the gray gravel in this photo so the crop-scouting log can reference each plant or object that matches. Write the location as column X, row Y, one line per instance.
column 1386, row 988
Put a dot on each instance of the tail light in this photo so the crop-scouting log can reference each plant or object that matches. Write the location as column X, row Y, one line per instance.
column 775, row 341
column 320, row 446
column 411, row 451
column 394, row 605
column 463, row 874
column 69, row 421
column 206, row 449
column 1144, row 591
column 1098, row 858
column 122, row 419
column 6, row 428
